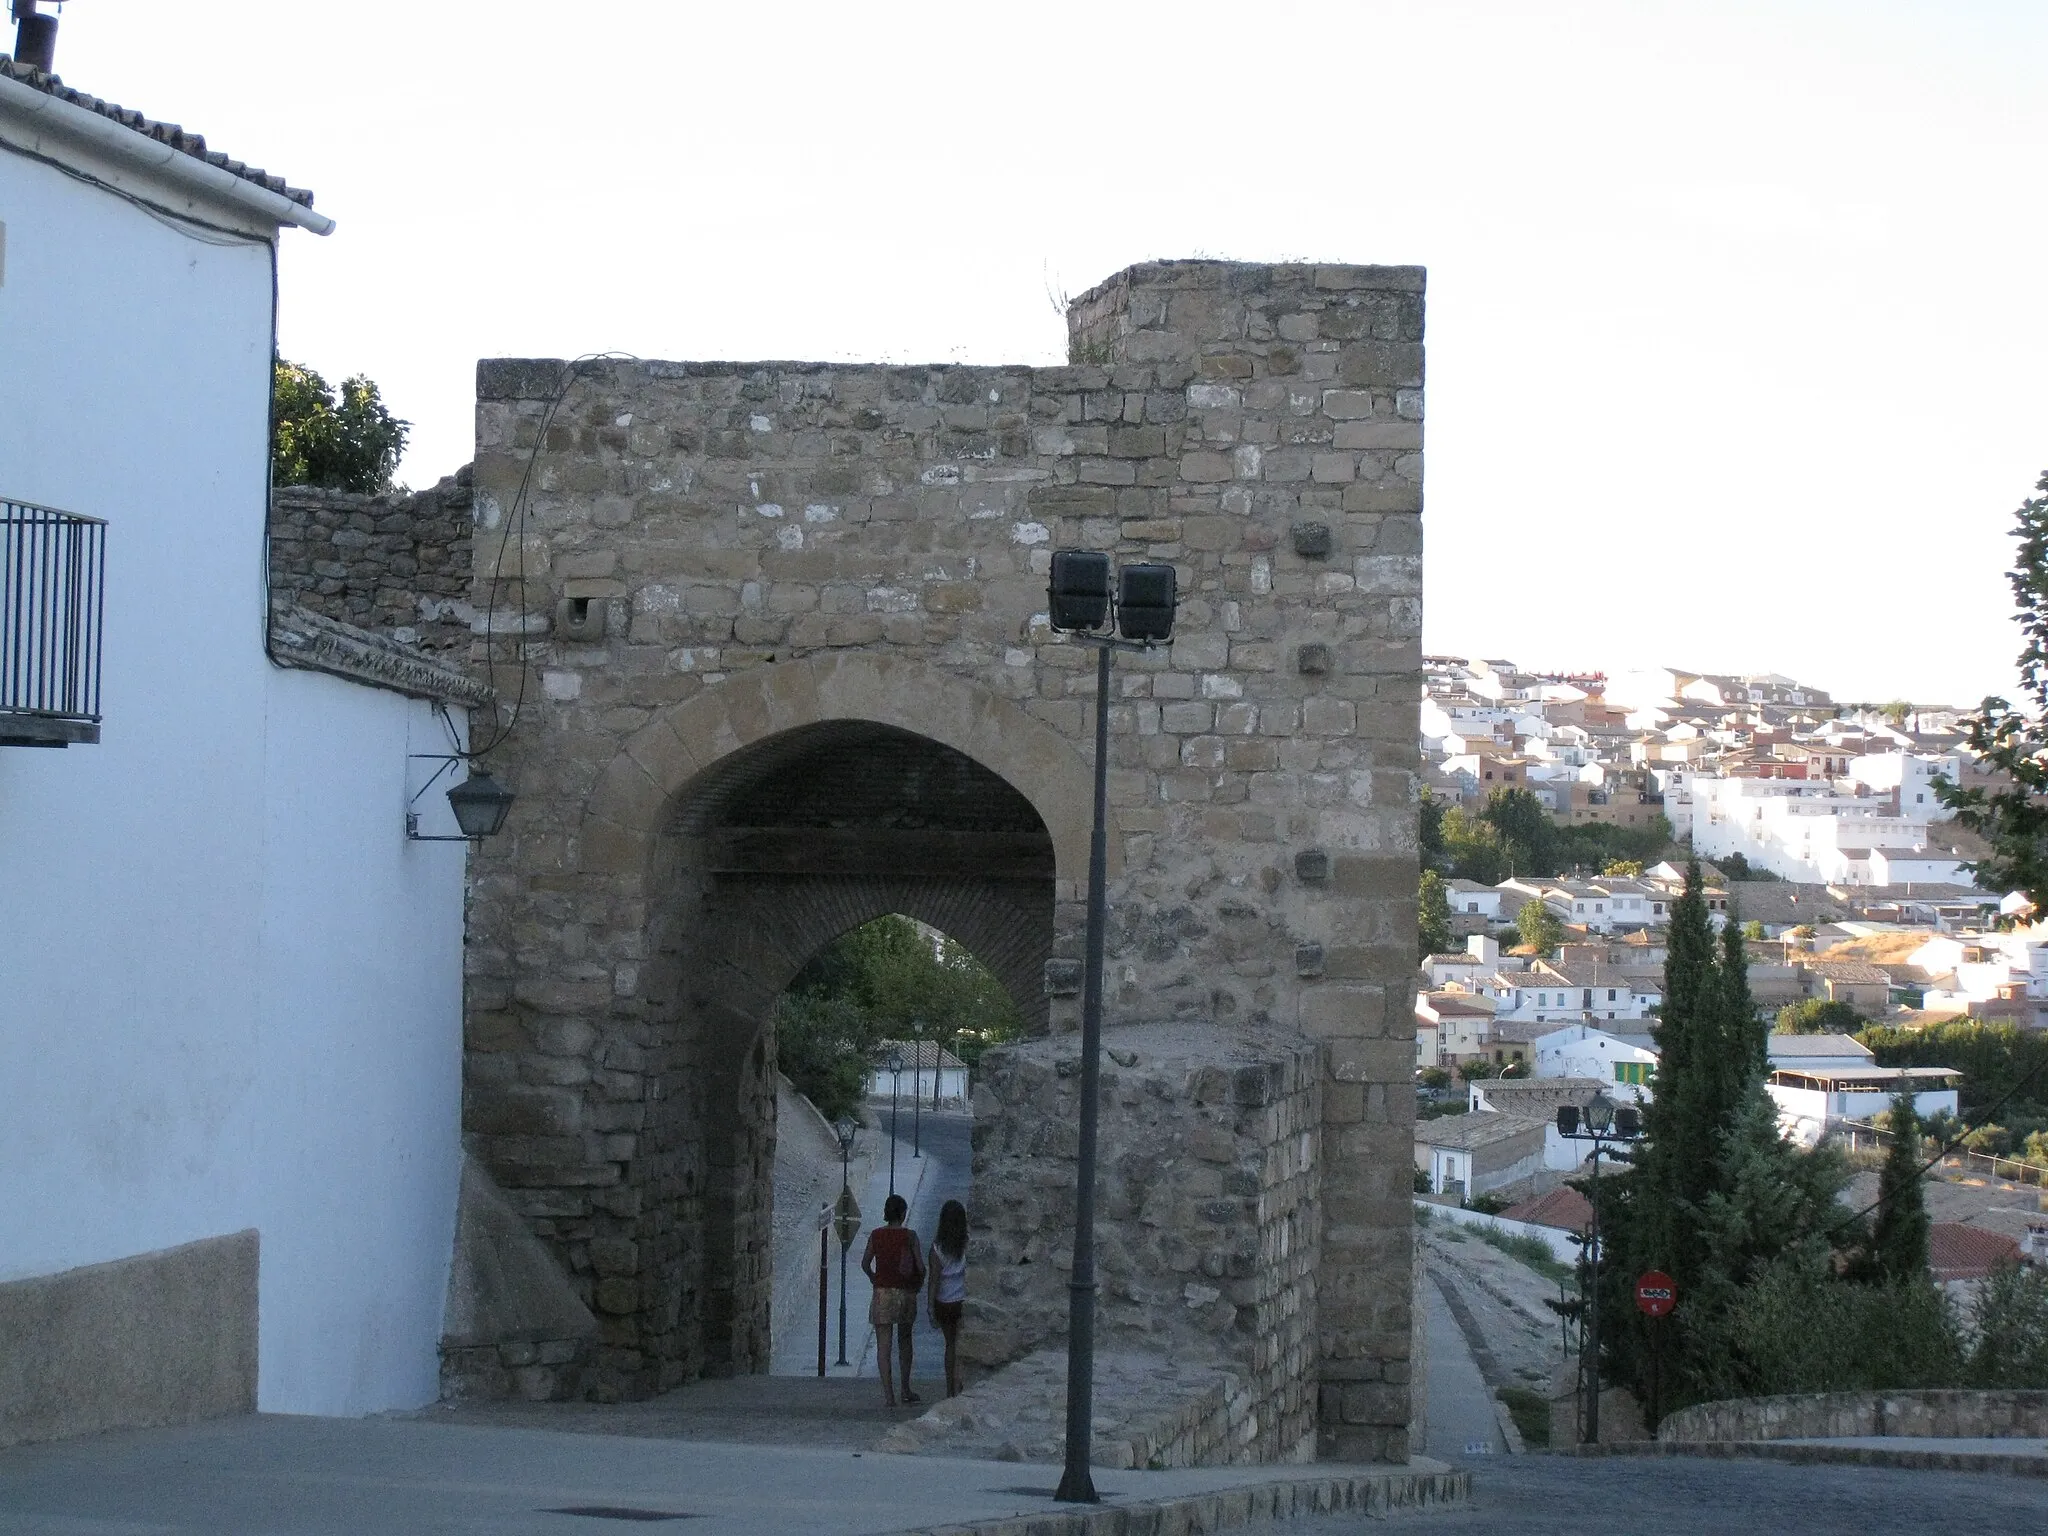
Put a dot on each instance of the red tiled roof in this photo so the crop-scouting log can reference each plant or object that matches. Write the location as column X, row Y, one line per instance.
column 164, row 133
column 1564, row 1208
column 1958, row 1252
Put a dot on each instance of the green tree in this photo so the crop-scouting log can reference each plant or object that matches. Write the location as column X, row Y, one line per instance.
column 1898, row 711
column 1996, row 1060
column 1898, row 1238
column 1527, row 834
column 1819, row 1016
column 348, row 442
column 1714, row 1192
column 1539, row 927
column 1623, row 869
column 2012, row 814
column 1433, row 907
column 1430, row 829
column 877, row 982
column 1754, row 931
column 1472, row 847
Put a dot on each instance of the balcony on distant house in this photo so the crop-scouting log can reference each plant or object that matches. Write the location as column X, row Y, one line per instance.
column 52, row 604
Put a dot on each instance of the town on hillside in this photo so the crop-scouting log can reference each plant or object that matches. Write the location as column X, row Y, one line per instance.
column 1561, row 812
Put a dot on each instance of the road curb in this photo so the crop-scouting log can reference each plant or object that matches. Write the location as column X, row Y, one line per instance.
column 1364, row 1493
column 1907, row 1457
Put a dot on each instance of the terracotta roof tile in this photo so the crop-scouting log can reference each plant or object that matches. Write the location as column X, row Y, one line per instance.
column 1564, row 1208
column 164, row 133
column 1957, row 1252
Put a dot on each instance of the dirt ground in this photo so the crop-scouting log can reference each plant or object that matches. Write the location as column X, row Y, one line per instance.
column 1499, row 1303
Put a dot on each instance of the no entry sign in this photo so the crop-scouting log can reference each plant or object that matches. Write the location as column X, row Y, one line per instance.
column 1656, row 1293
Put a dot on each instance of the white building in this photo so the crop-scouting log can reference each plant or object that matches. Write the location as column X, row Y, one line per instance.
column 1808, row 831
column 1469, row 898
column 1626, row 1061
column 1815, row 1097
column 930, row 1074
column 230, row 1021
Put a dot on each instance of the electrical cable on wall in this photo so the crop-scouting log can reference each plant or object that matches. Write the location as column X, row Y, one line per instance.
column 515, row 526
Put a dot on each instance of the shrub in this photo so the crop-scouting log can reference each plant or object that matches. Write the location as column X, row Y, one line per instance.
column 1799, row 1328
column 2010, row 1322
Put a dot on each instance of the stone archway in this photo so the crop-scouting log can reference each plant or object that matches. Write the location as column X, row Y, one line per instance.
column 712, row 555
column 734, row 836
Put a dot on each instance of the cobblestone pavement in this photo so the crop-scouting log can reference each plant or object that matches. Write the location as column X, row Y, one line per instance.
column 1680, row 1496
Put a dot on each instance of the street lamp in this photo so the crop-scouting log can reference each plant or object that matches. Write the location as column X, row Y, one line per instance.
column 845, row 1216
column 1079, row 605
column 480, row 803
column 895, row 1085
column 916, row 1089
column 1604, row 1121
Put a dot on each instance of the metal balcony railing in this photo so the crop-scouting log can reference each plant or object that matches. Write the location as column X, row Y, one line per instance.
column 52, row 605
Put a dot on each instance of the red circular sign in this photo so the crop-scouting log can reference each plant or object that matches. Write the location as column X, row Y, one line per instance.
column 1656, row 1293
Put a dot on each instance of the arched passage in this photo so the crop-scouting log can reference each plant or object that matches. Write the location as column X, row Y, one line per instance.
column 747, row 829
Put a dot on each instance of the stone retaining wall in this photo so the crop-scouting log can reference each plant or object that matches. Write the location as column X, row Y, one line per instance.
column 1208, row 1224
column 1947, row 1415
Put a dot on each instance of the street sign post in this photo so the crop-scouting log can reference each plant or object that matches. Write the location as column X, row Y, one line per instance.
column 1656, row 1295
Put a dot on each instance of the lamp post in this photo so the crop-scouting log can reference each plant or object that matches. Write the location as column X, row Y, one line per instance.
column 1605, row 1121
column 1079, row 605
column 916, row 1089
column 939, row 1043
column 895, row 1085
column 845, row 1216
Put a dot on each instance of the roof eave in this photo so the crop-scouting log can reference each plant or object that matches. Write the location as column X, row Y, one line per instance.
column 40, row 111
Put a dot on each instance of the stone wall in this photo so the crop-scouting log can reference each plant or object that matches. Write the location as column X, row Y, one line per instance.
column 1946, row 1415
column 723, row 569
column 1209, row 1221
column 399, row 565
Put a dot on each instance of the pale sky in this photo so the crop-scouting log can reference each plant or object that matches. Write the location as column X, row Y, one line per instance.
column 1737, row 312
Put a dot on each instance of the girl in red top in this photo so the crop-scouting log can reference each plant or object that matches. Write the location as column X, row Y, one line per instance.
column 894, row 1262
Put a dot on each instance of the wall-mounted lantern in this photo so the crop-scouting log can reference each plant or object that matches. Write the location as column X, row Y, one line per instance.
column 480, row 804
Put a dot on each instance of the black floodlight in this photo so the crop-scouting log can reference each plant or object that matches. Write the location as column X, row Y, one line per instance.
column 1567, row 1119
column 1144, row 602
column 480, row 804
column 1079, row 594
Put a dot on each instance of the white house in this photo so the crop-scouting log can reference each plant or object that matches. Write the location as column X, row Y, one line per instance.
column 1469, row 898
column 931, row 1074
column 1813, row 1097
column 1470, row 1154
column 1626, row 1061
column 230, row 1021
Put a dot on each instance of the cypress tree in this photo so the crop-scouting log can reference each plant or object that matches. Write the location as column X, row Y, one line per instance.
column 1898, row 1240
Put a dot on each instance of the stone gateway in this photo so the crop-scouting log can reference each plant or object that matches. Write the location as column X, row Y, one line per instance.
column 770, row 648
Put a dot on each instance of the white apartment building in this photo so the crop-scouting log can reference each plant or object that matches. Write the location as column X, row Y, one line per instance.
column 1810, row 832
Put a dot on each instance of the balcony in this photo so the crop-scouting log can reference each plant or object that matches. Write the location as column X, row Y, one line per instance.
column 52, row 602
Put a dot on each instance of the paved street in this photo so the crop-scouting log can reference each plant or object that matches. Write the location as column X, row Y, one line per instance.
column 283, row 1476
column 943, row 1172
column 1462, row 1421
column 1681, row 1496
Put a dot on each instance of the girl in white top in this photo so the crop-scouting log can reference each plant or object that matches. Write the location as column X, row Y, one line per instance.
column 947, row 1288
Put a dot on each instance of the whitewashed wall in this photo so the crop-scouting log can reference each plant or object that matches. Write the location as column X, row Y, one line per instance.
column 229, row 990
